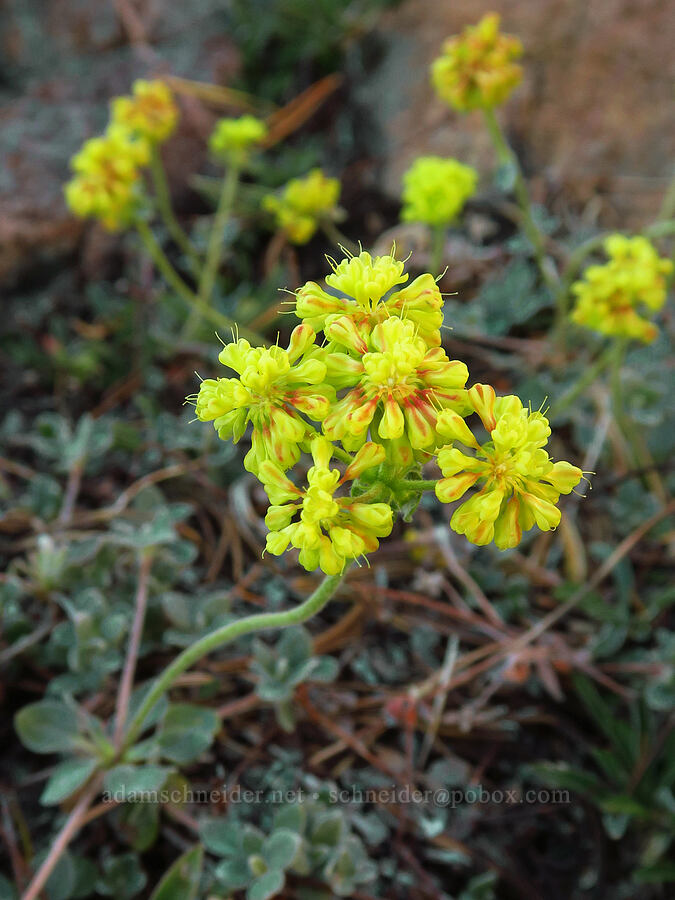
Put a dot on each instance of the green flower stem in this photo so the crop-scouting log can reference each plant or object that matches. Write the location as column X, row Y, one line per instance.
column 437, row 248
column 506, row 156
column 588, row 376
column 403, row 484
column 192, row 300
column 221, row 636
column 166, row 211
column 215, row 245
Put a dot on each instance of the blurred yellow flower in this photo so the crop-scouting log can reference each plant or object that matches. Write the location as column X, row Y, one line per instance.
column 477, row 68
column 233, row 139
column 150, row 112
column 436, row 189
column 609, row 297
column 303, row 204
column 107, row 184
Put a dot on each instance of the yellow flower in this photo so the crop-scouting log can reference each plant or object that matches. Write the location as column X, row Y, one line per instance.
column 476, row 69
column 274, row 388
column 400, row 384
column 519, row 485
column 435, row 190
column 233, row 139
column 303, row 204
column 610, row 296
column 107, row 185
column 151, row 112
column 329, row 531
column 363, row 297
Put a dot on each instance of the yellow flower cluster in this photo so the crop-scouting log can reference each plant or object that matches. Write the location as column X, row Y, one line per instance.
column 273, row 390
column 519, row 485
column 303, row 204
column 150, row 112
column 328, row 531
column 436, row 189
column 106, row 184
column 233, row 139
column 609, row 298
column 379, row 394
column 477, row 69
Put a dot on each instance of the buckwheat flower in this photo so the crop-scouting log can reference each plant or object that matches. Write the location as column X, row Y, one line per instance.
column 400, row 386
column 328, row 530
column 304, row 204
column 233, row 139
column 477, row 68
column 363, row 293
column 151, row 111
column 518, row 483
column 436, row 189
column 273, row 388
column 611, row 297
column 107, row 183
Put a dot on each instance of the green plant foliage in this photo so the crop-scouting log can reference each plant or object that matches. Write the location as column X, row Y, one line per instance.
column 282, row 669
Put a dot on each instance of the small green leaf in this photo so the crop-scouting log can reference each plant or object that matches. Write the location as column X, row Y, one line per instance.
column 135, row 783
column 181, row 881
column 329, row 828
column 266, row 886
column 66, row 778
column 122, row 877
column 293, row 816
column 280, row 848
column 220, row 836
column 186, row 732
column 47, row 726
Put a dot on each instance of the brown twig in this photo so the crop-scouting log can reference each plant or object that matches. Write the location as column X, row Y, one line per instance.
column 127, row 680
column 72, row 825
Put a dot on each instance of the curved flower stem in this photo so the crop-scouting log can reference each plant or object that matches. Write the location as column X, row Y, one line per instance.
column 437, row 248
column 506, row 156
column 166, row 211
column 194, row 302
column 215, row 246
column 222, row 636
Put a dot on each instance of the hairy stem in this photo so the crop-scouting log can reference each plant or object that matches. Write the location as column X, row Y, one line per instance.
column 215, row 246
column 192, row 300
column 166, row 211
column 402, row 484
column 437, row 248
column 506, row 156
column 224, row 635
